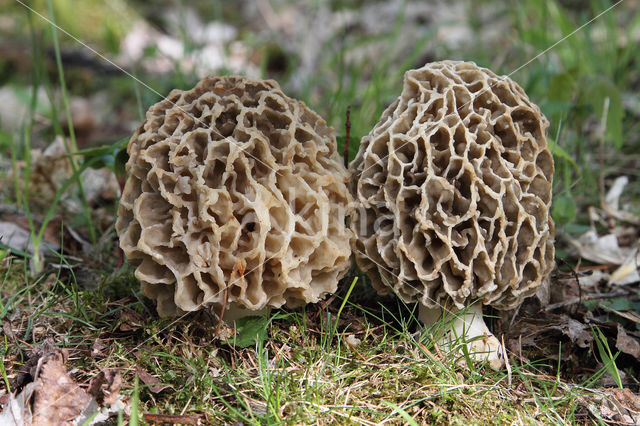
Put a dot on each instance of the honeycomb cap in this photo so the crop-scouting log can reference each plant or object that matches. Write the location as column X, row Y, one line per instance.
column 453, row 189
column 234, row 190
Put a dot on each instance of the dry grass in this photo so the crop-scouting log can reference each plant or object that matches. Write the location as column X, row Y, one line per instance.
column 299, row 371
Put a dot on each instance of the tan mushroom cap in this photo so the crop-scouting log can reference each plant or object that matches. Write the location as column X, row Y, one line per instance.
column 453, row 190
column 234, row 190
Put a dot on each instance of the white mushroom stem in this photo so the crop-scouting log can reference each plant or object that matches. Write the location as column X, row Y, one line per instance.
column 466, row 327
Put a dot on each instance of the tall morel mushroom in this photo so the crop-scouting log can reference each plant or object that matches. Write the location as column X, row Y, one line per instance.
column 235, row 197
column 452, row 191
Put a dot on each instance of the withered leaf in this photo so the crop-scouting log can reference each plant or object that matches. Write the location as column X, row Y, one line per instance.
column 130, row 320
column 8, row 330
column 627, row 344
column 98, row 348
column 57, row 398
column 53, row 398
column 105, row 387
column 153, row 383
column 27, row 372
column 621, row 406
column 576, row 331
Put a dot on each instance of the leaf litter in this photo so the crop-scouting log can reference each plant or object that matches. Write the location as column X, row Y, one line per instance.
column 48, row 395
column 602, row 293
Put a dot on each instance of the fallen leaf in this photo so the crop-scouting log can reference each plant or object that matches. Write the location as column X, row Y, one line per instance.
column 620, row 406
column 576, row 331
column 15, row 410
column 19, row 239
column 105, row 387
column 54, row 398
column 627, row 344
column 592, row 279
column 627, row 273
column 611, row 202
column 14, row 236
column 8, row 330
column 130, row 320
column 153, row 383
column 57, row 398
column 98, row 349
column 27, row 372
column 601, row 249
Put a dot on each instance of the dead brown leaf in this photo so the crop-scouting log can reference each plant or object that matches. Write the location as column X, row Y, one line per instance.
column 105, row 387
column 98, row 349
column 47, row 395
column 153, row 383
column 576, row 331
column 621, row 406
column 130, row 320
column 27, row 372
column 57, row 398
column 627, row 344
column 8, row 330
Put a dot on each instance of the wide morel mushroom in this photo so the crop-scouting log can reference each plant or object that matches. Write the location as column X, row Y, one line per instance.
column 452, row 191
column 235, row 197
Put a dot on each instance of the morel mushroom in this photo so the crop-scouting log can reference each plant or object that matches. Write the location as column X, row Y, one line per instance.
column 452, row 192
column 235, row 197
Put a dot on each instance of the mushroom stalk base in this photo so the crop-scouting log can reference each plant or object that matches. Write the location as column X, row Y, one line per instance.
column 466, row 327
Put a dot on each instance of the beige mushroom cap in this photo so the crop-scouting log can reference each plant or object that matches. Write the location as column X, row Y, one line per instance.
column 234, row 190
column 453, row 191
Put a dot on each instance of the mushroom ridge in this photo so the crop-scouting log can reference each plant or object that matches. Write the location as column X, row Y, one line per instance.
column 234, row 191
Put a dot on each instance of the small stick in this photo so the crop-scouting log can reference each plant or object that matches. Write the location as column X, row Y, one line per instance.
column 506, row 361
column 575, row 275
column 347, row 135
column 120, row 259
column 221, row 316
column 173, row 418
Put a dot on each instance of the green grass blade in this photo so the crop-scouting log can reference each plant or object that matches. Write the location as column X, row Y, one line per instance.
column 72, row 136
column 402, row 413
